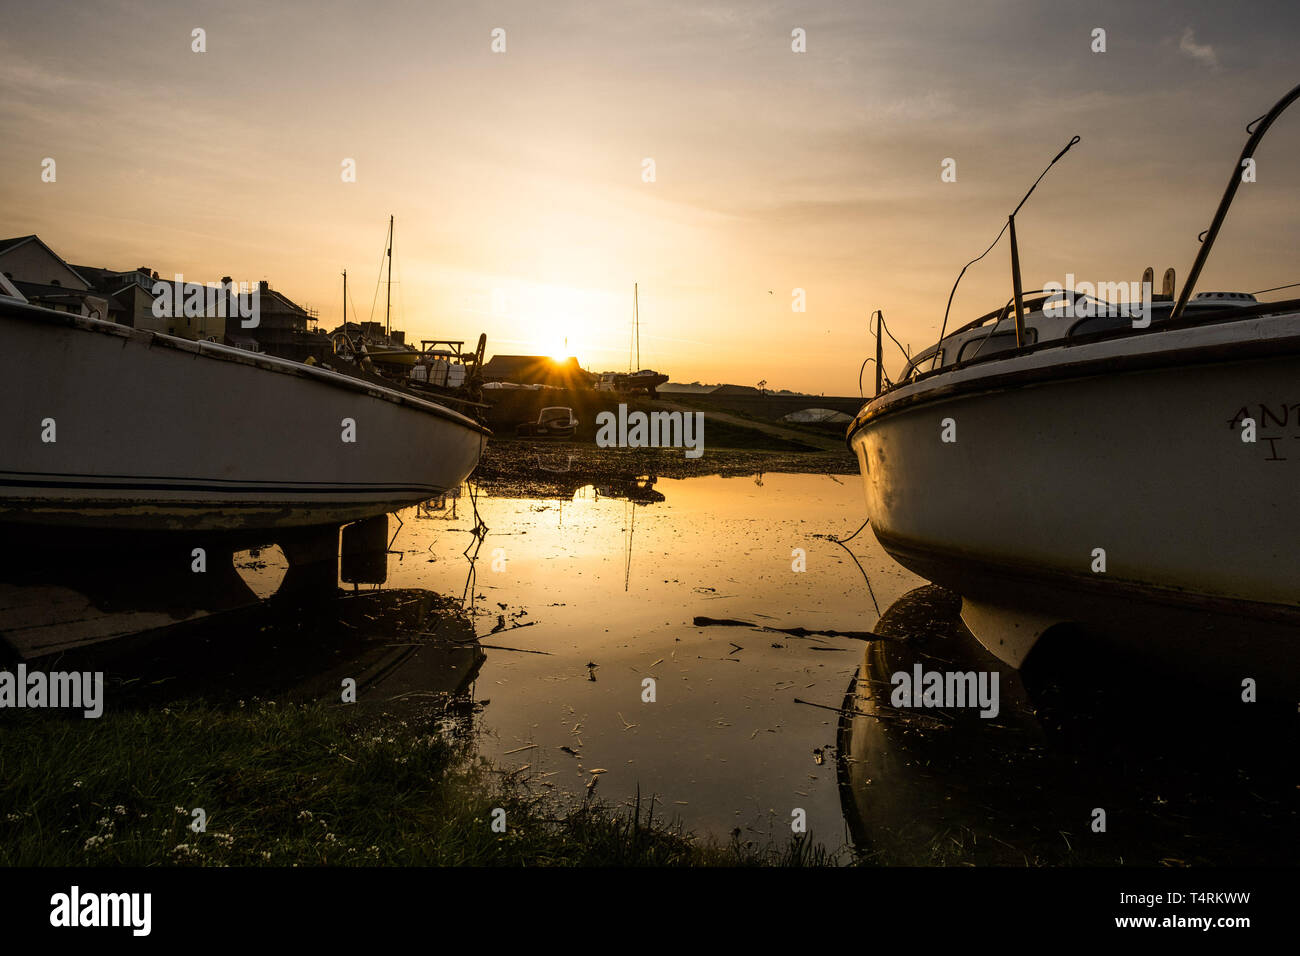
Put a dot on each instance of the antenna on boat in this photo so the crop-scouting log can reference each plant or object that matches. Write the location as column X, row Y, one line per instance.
column 1015, row 249
column 1207, row 238
column 1015, row 254
column 345, row 299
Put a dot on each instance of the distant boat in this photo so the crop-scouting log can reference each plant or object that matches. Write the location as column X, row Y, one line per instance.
column 1053, row 465
column 645, row 380
column 554, row 421
column 364, row 341
column 107, row 426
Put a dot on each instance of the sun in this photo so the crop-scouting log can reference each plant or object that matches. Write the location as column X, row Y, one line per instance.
column 561, row 321
column 557, row 347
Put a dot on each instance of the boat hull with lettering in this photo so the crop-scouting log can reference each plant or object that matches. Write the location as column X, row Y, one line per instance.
column 1141, row 486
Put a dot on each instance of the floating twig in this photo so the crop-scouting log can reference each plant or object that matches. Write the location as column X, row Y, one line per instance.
column 792, row 631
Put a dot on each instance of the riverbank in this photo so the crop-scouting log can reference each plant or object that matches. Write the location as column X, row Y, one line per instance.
column 288, row 784
column 539, row 466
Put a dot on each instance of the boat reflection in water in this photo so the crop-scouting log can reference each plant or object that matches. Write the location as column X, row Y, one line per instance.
column 252, row 623
column 1079, row 733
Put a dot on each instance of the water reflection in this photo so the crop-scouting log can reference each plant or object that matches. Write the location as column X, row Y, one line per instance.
column 613, row 574
column 612, row 587
column 1178, row 784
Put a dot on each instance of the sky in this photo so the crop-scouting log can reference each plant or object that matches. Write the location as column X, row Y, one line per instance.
column 519, row 179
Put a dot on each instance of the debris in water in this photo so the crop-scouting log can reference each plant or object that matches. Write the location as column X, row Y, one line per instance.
column 793, row 631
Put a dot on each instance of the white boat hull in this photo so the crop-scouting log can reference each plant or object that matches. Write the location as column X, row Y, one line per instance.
column 1125, row 447
column 152, row 432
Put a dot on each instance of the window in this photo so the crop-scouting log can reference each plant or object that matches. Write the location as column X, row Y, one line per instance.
column 987, row 345
column 1100, row 323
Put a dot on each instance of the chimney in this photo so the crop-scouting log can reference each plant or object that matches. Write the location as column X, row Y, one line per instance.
column 263, row 286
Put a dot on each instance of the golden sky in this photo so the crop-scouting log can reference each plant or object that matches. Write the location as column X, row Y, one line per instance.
column 516, row 178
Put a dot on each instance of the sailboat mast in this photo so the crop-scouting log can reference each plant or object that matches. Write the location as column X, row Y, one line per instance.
column 636, row 325
column 345, row 299
column 388, row 295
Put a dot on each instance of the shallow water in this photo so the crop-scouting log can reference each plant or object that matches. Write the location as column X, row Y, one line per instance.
column 579, row 597
column 604, row 581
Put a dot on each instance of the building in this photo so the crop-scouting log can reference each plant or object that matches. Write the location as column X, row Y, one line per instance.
column 128, row 297
column 537, row 370
column 284, row 328
column 43, row 278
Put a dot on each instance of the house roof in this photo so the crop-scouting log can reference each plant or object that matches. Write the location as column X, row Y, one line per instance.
column 30, row 289
column 7, row 244
column 535, row 369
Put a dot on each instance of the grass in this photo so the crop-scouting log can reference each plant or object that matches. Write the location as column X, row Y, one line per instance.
column 305, row 785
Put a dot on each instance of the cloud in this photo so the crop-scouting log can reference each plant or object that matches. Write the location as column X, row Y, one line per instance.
column 1201, row 52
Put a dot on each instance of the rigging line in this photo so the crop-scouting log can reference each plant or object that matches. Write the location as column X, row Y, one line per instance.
column 1074, row 140
column 629, row 531
column 948, row 308
column 397, row 282
column 354, row 304
column 1006, row 313
column 853, row 535
column 993, row 328
column 379, row 277
column 479, row 532
column 869, row 358
column 870, row 589
column 885, row 326
column 843, row 543
column 876, row 334
column 1278, row 288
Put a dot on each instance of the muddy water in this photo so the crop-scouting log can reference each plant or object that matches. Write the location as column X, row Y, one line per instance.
column 601, row 580
column 581, row 594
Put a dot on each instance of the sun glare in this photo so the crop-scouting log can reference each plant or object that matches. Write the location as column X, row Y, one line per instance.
column 563, row 321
